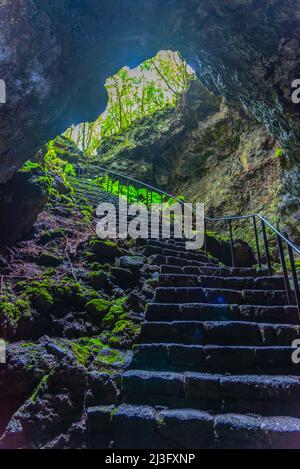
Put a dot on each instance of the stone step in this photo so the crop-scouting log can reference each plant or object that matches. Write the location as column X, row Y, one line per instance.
column 221, row 296
column 149, row 250
column 211, row 270
column 263, row 394
column 212, row 312
column 149, row 428
column 219, row 333
column 236, row 283
column 214, row 358
column 177, row 261
column 166, row 244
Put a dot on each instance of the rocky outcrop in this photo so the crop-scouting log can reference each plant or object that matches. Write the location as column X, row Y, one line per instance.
column 21, row 200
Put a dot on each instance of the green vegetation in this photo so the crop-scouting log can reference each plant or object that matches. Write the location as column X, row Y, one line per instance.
column 13, row 309
column 132, row 194
column 124, row 332
column 85, row 348
column 134, row 94
column 99, row 279
column 98, row 307
column 41, row 386
column 279, row 153
column 116, row 313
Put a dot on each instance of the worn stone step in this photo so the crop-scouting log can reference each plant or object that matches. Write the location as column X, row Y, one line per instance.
column 212, row 312
column 166, row 244
column 149, row 250
column 221, row 296
column 236, row 283
column 236, row 430
column 263, row 394
column 149, row 428
column 158, row 259
column 219, row 333
column 214, row 358
column 211, row 270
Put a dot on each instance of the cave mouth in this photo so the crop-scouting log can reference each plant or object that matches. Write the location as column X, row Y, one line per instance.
column 133, row 94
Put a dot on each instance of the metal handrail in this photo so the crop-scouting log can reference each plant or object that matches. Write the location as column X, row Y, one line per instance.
column 230, row 219
column 225, row 218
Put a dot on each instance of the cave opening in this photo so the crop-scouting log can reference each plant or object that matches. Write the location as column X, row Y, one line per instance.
column 133, row 94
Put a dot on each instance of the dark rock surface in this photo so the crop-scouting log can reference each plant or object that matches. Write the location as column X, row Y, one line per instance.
column 21, row 200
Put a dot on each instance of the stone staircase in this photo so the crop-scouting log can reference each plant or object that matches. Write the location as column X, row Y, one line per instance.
column 213, row 367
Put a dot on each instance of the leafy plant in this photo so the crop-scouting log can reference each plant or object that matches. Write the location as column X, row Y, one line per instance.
column 132, row 194
column 279, row 152
column 134, row 94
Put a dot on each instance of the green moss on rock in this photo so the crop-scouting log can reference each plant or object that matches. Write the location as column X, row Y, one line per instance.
column 115, row 313
column 49, row 259
column 40, row 298
column 14, row 309
column 98, row 309
column 124, row 334
column 99, row 279
column 105, row 249
column 48, row 236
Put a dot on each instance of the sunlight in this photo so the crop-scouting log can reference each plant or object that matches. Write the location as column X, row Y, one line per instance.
column 133, row 94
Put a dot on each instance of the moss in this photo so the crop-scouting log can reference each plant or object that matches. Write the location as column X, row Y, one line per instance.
column 279, row 153
column 87, row 216
column 14, row 309
column 49, row 259
column 41, row 386
column 49, row 272
column 124, row 277
column 109, row 357
column 99, row 279
column 48, row 236
column 124, row 334
column 116, row 313
column 28, row 345
column 89, row 254
column 98, row 307
column 86, row 348
column 105, row 249
column 152, row 282
column 46, row 293
column 96, row 267
column 40, row 298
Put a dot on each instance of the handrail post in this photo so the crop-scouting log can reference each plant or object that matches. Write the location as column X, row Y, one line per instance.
column 231, row 243
column 285, row 272
column 257, row 241
column 295, row 279
column 205, row 236
column 266, row 247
